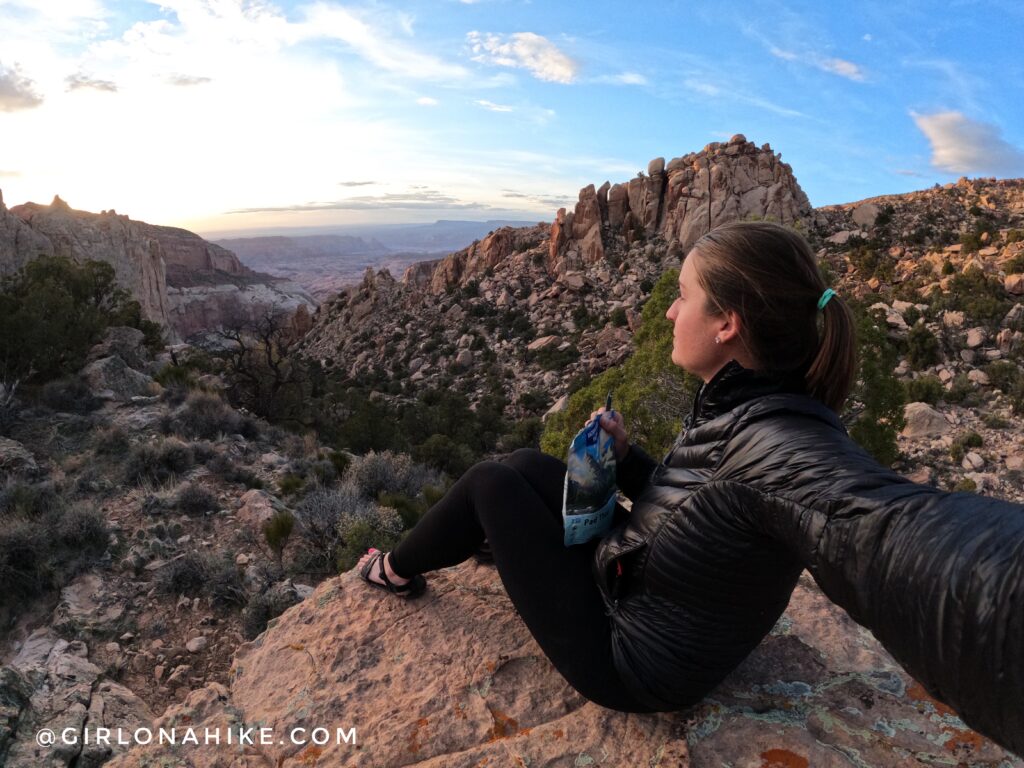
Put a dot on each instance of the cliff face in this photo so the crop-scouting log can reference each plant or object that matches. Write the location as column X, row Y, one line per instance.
column 181, row 281
column 19, row 243
column 137, row 258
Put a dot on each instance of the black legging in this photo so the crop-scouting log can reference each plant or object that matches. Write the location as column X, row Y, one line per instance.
column 516, row 504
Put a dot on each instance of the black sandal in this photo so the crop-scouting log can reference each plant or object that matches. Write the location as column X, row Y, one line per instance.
column 415, row 587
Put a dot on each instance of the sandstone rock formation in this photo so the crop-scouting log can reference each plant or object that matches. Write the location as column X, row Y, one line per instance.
column 137, row 259
column 181, row 281
column 682, row 200
column 434, row 683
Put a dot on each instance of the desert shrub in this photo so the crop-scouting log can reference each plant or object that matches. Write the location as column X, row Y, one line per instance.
column 340, row 460
column 317, row 517
column 994, row 421
column 222, row 466
column 111, row 441
column 186, row 575
column 205, row 415
column 922, row 347
column 324, row 472
column 277, row 530
column 962, row 391
column 962, row 443
column 290, row 484
column 264, row 607
column 387, row 472
column 225, row 583
column 925, row 389
column 360, row 535
column 44, row 541
column 444, row 453
column 553, row 359
column 409, row 509
column 194, row 499
column 526, row 433
column 1003, row 375
column 69, row 395
column 974, row 293
column 158, row 463
column 618, row 317
column 965, row 486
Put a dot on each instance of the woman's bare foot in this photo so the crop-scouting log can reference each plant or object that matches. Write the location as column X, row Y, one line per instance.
column 374, row 575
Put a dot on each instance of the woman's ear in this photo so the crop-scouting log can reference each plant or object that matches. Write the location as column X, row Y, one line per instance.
column 730, row 326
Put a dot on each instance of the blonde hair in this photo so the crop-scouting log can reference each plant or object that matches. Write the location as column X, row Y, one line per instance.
column 768, row 275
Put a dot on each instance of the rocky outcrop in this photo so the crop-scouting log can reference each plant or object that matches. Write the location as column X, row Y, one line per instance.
column 136, row 257
column 682, row 200
column 191, row 252
column 429, row 683
column 181, row 281
column 480, row 258
column 197, row 309
column 19, row 243
column 57, row 689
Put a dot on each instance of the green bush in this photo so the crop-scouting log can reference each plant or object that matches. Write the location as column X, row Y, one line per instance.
column 922, row 347
column 653, row 393
column 1003, row 375
column 290, row 484
column 277, row 530
column 618, row 317
column 925, row 389
column 994, row 421
column 878, row 389
column 962, row 391
column 54, row 310
column 959, row 447
column 965, row 486
column 974, row 293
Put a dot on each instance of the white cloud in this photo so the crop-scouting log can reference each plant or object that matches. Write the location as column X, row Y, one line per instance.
column 843, row 68
column 524, row 50
column 374, row 45
column 490, row 105
column 16, row 91
column 427, row 101
column 702, row 87
column 962, row 145
column 867, row 38
column 75, row 82
column 623, row 78
column 835, row 66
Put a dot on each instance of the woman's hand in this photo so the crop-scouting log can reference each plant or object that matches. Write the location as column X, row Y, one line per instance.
column 614, row 425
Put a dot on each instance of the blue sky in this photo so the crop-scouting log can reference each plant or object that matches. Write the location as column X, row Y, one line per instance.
column 223, row 115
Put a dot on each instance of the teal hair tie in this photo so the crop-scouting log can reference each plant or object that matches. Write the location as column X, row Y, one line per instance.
column 828, row 294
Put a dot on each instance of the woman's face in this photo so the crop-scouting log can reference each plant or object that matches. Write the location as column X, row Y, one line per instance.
column 694, row 331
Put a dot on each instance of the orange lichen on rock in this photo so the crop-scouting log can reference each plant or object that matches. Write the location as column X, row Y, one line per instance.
column 414, row 737
column 310, row 755
column 504, row 726
column 782, row 758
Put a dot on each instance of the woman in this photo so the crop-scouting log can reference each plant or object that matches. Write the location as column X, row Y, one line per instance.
column 762, row 482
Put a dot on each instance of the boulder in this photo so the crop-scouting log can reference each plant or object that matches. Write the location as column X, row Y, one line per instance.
column 864, row 215
column 111, row 377
column 126, row 343
column 425, row 683
column 923, row 421
column 255, row 508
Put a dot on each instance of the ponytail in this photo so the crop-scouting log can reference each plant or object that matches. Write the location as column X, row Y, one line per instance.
column 831, row 373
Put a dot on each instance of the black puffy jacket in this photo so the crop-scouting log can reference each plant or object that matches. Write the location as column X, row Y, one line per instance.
column 763, row 482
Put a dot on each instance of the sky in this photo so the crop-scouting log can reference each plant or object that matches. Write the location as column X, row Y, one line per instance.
column 224, row 116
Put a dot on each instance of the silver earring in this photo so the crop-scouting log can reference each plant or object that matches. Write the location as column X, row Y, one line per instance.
column 717, row 340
